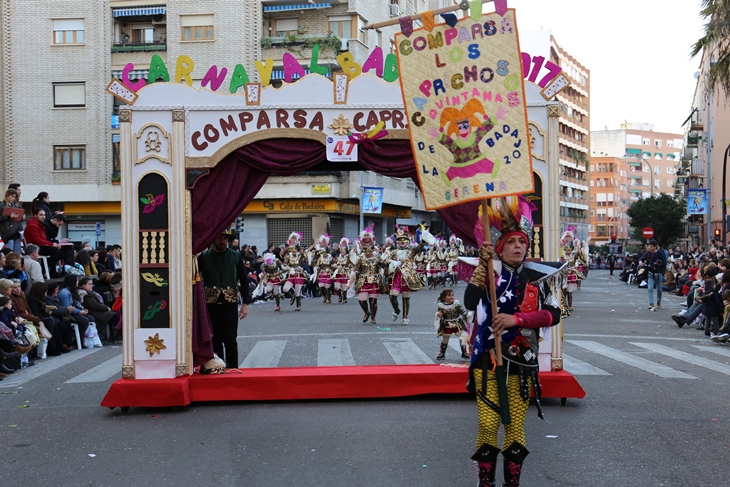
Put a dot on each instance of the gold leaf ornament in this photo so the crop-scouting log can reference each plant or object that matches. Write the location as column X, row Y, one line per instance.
column 341, row 125
column 155, row 344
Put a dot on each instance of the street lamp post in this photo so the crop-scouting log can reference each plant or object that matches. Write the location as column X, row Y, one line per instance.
column 651, row 170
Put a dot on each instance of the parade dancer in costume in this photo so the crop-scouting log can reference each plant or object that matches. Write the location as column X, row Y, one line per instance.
column 343, row 269
column 442, row 261
column 571, row 256
column 432, row 267
column 323, row 263
column 368, row 275
column 270, row 277
column 452, row 319
column 453, row 259
column 402, row 276
column 525, row 304
column 224, row 276
column 292, row 265
column 420, row 262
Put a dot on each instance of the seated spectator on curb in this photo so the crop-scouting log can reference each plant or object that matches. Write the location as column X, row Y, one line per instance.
column 66, row 248
column 35, row 233
column 83, row 257
column 38, row 308
column 69, row 297
column 105, row 317
column 20, row 304
column 103, row 286
column 14, row 269
column 10, row 225
column 32, row 267
column 61, row 315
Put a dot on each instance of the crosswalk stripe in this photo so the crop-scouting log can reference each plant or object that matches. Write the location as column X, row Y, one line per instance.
column 45, row 366
column 628, row 359
column 334, row 351
column 265, row 353
column 455, row 344
column 405, row 352
column 686, row 357
column 724, row 351
column 101, row 372
column 578, row 367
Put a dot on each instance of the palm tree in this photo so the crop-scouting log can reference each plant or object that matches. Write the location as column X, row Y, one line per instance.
column 716, row 14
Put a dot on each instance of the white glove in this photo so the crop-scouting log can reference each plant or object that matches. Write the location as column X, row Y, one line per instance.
column 427, row 237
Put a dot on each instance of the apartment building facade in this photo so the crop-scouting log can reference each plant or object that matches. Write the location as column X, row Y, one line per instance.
column 61, row 129
column 609, row 200
column 647, row 163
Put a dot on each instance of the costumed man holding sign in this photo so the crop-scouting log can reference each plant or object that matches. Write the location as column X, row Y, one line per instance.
column 525, row 304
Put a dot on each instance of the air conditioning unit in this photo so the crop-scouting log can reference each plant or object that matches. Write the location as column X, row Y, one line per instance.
column 394, row 10
column 345, row 45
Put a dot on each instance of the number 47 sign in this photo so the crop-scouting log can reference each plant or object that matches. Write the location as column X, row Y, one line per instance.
column 340, row 148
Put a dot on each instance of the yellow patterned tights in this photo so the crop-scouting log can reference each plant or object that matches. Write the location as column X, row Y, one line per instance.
column 489, row 420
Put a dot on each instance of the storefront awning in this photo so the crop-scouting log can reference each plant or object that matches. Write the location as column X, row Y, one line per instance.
column 134, row 74
column 634, row 164
column 304, row 6
column 138, row 11
column 633, row 151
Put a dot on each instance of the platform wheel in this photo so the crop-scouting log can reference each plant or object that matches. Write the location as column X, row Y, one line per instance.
column 563, row 401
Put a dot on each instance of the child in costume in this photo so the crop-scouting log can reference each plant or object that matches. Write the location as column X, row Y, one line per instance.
column 271, row 277
column 452, row 319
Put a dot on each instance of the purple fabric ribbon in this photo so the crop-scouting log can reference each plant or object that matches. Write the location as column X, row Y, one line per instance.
column 500, row 6
column 406, row 26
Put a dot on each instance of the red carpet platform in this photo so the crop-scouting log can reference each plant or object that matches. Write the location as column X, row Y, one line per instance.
column 297, row 383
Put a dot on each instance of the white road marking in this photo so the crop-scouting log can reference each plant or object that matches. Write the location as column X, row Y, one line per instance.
column 686, row 357
column 265, row 353
column 405, row 352
column 101, row 372
column 578, row 367
column 719, row 350
column 632, row 360
column 45, row 366
column 334, row 351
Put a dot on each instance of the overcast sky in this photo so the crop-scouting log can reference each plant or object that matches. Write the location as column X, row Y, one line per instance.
column 637, row 52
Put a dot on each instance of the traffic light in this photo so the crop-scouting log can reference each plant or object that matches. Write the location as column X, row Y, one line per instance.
column 718, row 233
column 239, row 224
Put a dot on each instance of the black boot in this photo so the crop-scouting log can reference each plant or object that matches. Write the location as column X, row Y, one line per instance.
column 299, row 304
column 291, row 296
column 486, row 458
column 513, row 458
column 464, row 351
column 394, row 304
column 373, row 310
column 364, row 306
column 339, row 295
column 328, row 293
column 406, row 309
column 442, row 352
column 276, row 298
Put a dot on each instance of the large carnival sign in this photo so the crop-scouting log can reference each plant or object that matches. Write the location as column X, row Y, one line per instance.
column 463, row 91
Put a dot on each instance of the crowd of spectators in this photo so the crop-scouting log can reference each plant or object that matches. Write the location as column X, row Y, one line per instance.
column 49, row 290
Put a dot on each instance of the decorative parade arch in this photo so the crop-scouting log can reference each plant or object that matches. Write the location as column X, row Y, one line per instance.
column 192, row 159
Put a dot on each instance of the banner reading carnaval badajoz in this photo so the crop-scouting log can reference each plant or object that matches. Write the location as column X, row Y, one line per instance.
column 465, row 99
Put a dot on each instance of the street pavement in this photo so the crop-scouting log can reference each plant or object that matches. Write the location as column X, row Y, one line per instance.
column 655, row 413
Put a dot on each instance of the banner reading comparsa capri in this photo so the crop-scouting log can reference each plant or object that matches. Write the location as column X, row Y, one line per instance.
column 465, row 99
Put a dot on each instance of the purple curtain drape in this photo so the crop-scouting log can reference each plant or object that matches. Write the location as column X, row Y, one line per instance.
column 219, row 197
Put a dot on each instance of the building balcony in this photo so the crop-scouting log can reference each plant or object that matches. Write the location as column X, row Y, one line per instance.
column 307, row 41
column 693, row 140
column 140, row 47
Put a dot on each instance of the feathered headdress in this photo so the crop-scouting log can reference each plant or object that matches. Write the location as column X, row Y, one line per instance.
column 324, row 237
column 294, row 237
column 402, row 234
column 369, row 232
column 345, row 242
column 269, row 258
column 508, row 215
